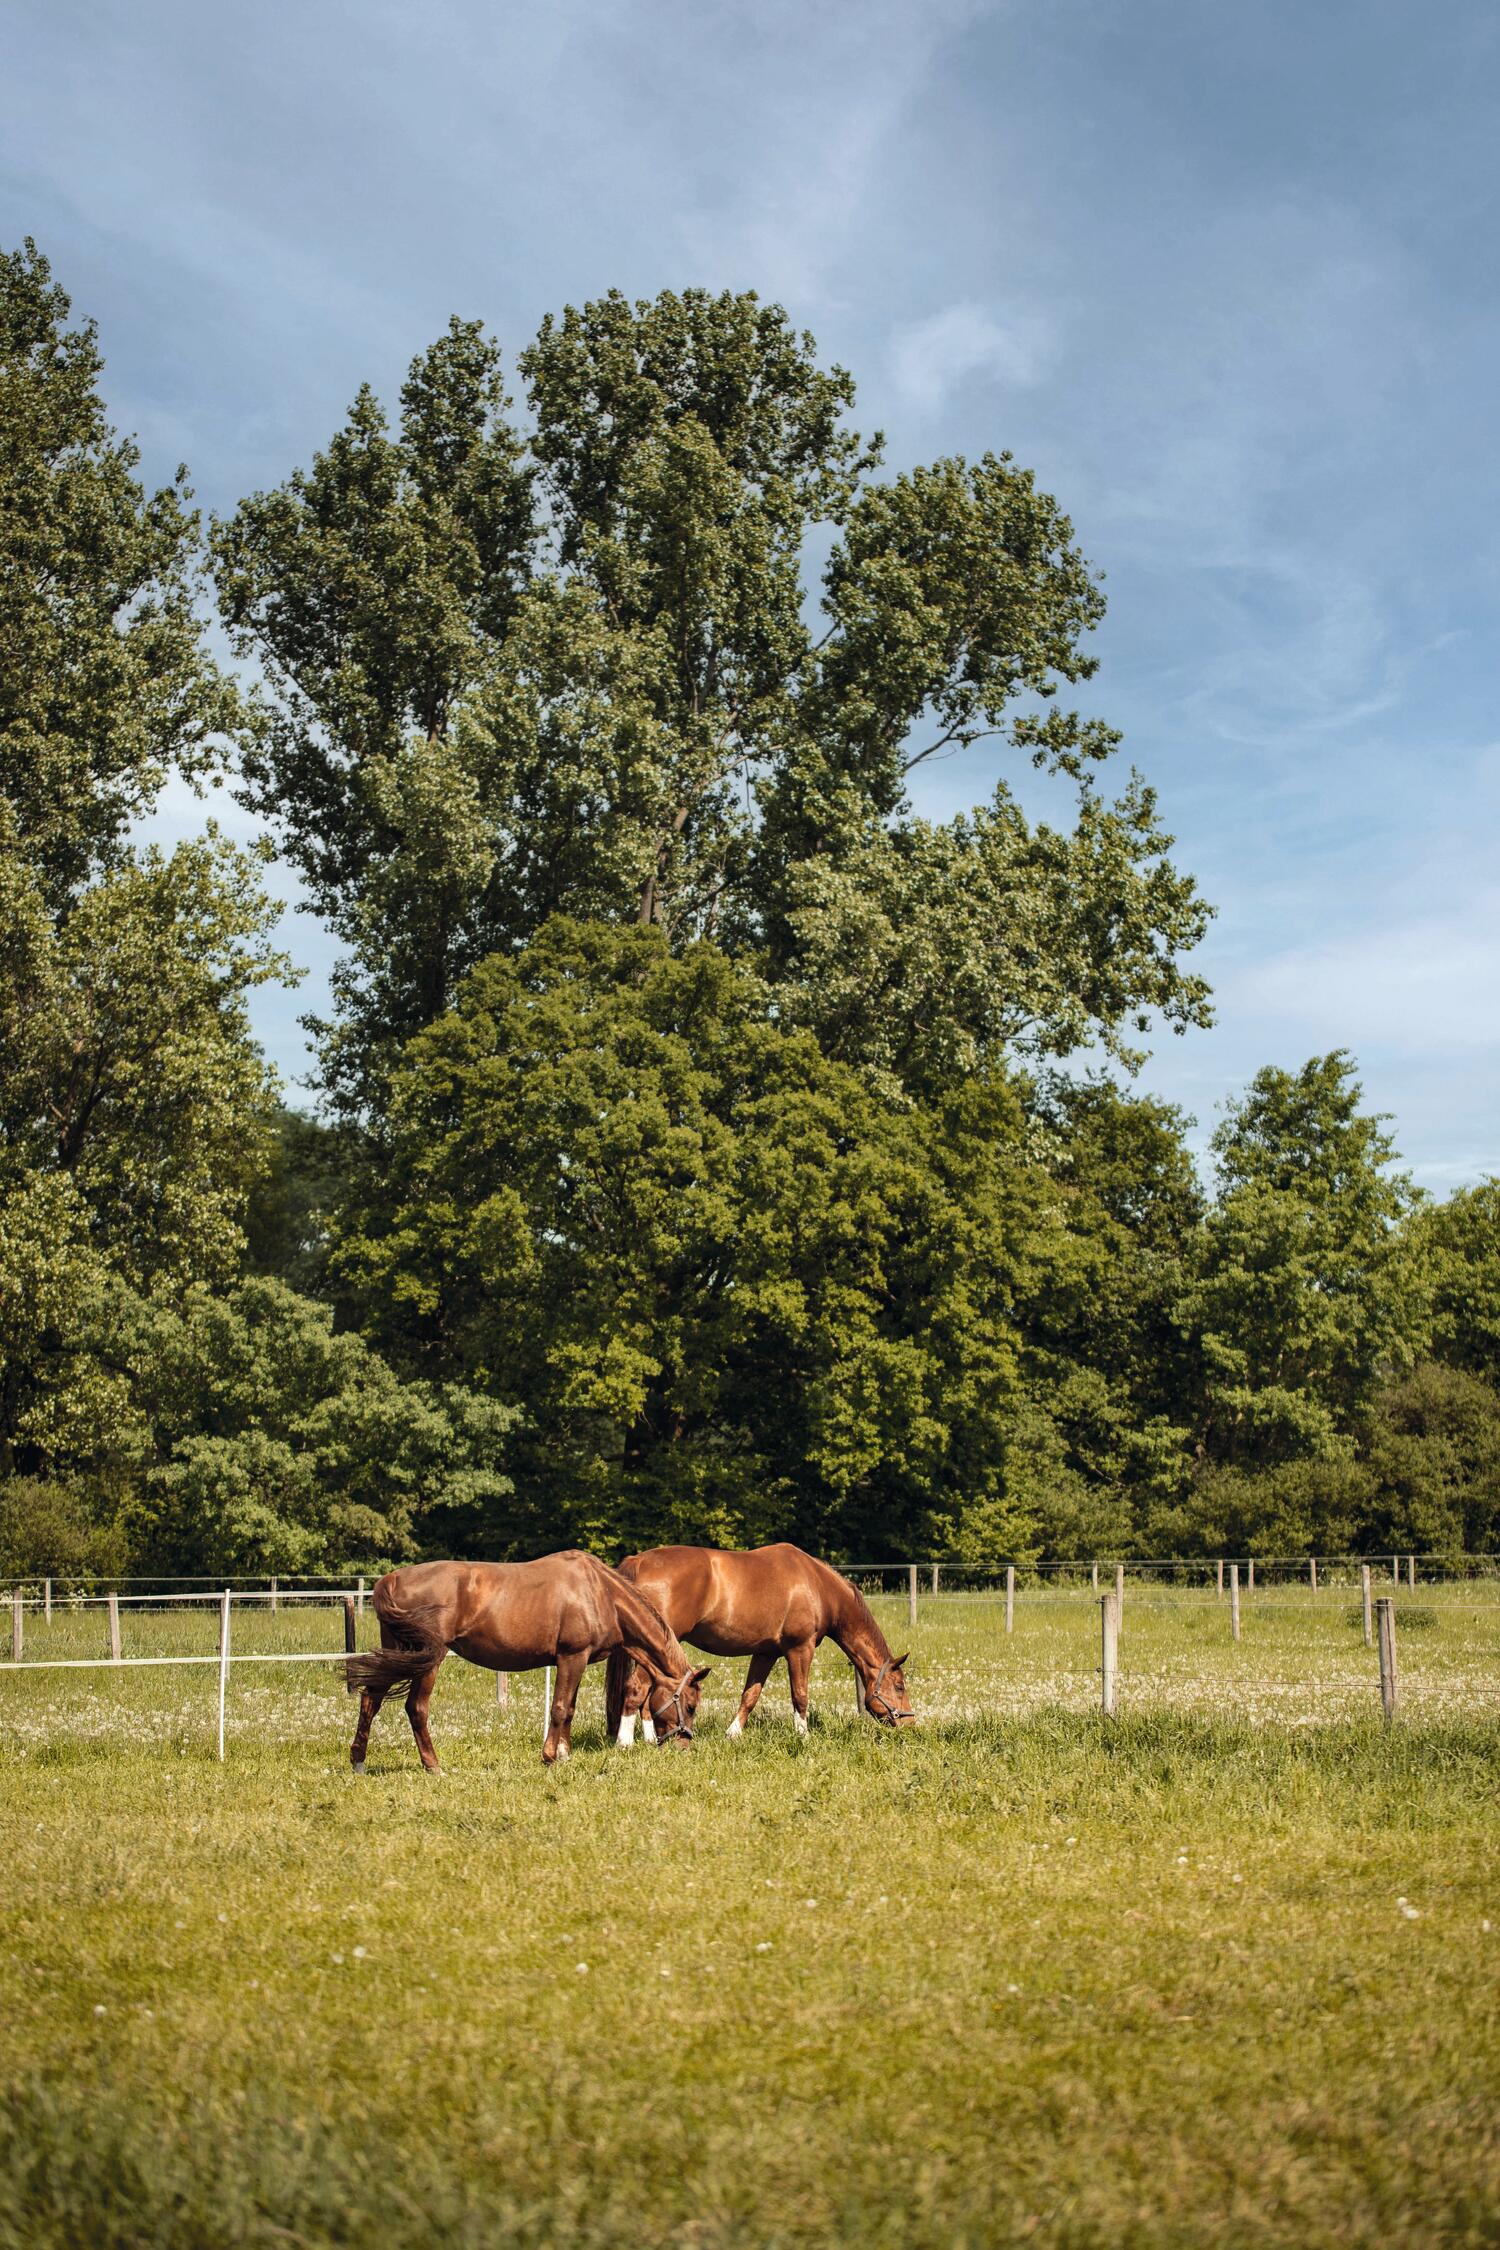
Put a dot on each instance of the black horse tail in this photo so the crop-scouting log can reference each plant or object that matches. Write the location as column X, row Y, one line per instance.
column 412, row 1650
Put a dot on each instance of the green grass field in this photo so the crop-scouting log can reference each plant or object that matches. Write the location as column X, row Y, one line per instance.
column 1223, row 1971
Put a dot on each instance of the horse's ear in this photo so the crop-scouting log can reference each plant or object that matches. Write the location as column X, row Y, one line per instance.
column 901, row 1662
column 701, row 1674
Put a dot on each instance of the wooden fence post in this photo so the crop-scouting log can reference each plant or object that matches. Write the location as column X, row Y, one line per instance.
column 47, row 1601
column 1234, row 1600
column 1364, row 1601
column 1221, row 1578
column 1109, row 1651
column 1312, row 1573
column 1411, row 1572
column 1251, row 1588
column 1010, row 1597
column 223, row 1664
column 502, row 1690
column 911, row 1594
column 274, row 1604
column 1395, row 1570
column 361, row 1597
column 935, row 1569
column 1390, row 1696
column 1095, row 1576
column 1119, row 1595
column 114, row 1628
column 17, row 1627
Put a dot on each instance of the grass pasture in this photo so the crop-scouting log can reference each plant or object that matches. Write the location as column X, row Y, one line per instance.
column 1222, row 1971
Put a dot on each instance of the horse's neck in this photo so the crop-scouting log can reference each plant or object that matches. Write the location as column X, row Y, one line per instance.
column 641, row 1624
column 856, row 1632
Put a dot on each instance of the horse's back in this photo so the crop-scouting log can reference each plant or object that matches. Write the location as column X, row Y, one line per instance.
column 733, row 1601
column 457, row 1600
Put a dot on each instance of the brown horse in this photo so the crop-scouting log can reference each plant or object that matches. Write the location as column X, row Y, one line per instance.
column 565, row 1610
column 773, row 1601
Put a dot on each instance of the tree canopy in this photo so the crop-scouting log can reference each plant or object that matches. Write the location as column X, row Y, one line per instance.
column 711, row 1145
column 734, row 1292
column 611, row 691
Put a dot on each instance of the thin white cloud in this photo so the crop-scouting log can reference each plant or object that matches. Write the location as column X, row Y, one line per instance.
column 1421, row 986
column 932, row 359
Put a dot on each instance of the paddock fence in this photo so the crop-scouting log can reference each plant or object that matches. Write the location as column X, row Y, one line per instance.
column 85, row 1623
column 55, row 1613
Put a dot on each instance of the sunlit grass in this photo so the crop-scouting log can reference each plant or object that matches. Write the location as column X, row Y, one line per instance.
column 1217, row 1972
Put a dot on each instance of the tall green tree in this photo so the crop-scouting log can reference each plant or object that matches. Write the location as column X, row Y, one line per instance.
column 1457, row 1244
column 252, row 1436
column 131, row 1092
column 736, row 1295
column 634, row 712
column 1107, row 1364
column 105, row 685
column 1431, row 1446
column 1301, row 1299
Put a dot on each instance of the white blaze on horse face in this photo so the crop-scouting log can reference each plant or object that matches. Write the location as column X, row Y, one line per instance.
column 648, row 1727
column 626, row 1735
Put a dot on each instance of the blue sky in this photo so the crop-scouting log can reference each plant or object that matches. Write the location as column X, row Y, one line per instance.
column 1224, row 277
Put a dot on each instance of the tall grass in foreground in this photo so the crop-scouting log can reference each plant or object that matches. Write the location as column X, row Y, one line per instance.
column 1197, row 1976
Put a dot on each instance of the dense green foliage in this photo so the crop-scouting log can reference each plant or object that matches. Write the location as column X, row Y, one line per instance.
column 150, row 1402
column 738, row 1293
column 711, row 1146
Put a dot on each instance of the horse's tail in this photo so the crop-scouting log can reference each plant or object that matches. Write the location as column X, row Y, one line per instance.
column 413, row 1650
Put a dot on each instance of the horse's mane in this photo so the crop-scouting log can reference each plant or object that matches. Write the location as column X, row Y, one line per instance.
column 855, row 1603
column 637, row 1609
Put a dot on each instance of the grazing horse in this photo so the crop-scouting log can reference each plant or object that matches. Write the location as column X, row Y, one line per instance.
column 565, row 1610
column 773, row 1601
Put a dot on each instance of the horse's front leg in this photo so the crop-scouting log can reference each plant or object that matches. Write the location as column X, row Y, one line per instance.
column 566, row 1683
column 799, row 1665
column 637, row 1688
column 755, row 1680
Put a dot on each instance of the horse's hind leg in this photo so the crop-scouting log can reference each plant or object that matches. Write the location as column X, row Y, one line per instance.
column 370, row 1700
column 416, row 1710
column 755, row 1680
column 369, row 1703
column 799, row 1665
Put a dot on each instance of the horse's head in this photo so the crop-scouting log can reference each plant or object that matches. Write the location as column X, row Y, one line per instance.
column 886, row 1698
column 673, row 1704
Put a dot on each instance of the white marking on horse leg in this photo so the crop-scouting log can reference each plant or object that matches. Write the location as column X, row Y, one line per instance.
column 648, row 1727
column 626, row 1735
column 735, row 1729
column 563, row 1751
column 799, row 1722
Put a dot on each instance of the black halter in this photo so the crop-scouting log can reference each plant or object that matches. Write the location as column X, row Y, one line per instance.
column 872, row 1694
column 682, row 1732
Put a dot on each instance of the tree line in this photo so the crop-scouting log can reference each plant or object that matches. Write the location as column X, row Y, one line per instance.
column 708, row 1146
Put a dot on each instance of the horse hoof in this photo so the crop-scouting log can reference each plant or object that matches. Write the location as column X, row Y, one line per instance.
column 356, row 1765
